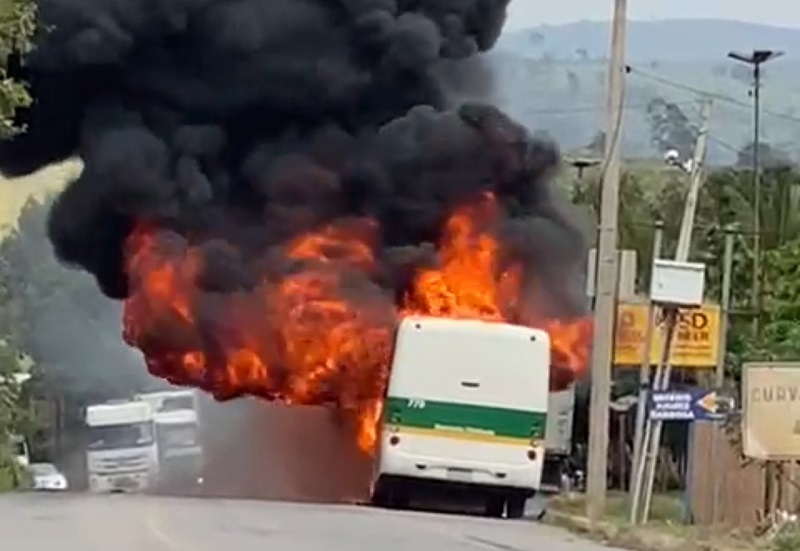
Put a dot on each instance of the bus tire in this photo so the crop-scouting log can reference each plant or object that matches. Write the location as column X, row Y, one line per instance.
column 381, row 496
column 495, row 506
column 399, row 499
column 515, row 506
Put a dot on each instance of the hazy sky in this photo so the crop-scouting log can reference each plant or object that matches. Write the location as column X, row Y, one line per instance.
column 527, row 13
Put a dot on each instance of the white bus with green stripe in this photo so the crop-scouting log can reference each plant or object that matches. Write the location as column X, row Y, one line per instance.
column 466, row 410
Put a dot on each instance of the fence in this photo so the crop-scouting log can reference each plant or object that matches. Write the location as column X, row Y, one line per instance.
column 725, row 490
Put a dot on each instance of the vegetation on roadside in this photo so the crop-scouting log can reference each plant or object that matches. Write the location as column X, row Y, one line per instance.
column 666, row 530
column 787, row 539
column 17, row 26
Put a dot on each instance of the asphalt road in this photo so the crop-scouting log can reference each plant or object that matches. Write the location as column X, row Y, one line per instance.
column 33, row 522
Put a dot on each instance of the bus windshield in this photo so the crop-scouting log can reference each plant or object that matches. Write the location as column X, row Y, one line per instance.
column 130, row 435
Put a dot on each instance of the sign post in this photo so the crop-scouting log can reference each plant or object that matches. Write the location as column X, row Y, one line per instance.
column 690, row 405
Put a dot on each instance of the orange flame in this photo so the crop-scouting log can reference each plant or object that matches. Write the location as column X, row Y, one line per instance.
column 468, row 285
column 305, row 338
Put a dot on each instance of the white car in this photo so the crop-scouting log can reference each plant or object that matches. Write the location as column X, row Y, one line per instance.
column 46, row 477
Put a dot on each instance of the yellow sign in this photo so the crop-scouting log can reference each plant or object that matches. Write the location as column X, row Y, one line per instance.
column 695, row 343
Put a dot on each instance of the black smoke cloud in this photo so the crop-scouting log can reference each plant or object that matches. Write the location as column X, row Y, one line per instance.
column 253, row 120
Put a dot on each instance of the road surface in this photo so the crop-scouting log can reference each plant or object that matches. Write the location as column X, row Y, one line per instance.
column 75, row 522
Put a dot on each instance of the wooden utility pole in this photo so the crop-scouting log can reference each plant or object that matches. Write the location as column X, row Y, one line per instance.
column 664, row 371
column 607, row 275
column 644, row 375
column 725, row 307
column 719, row 378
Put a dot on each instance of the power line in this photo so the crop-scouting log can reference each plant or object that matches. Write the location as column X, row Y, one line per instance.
column 594, row 108
column 709, row 94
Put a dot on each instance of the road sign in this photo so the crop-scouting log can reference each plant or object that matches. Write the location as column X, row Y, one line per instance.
column 771, row 411
column 696, row 336
column 695, row 404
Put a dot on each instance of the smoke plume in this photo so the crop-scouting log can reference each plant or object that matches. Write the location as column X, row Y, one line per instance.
column 225, row 130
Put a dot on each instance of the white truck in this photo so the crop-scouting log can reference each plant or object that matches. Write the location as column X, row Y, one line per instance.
column 122, row 454
column 180, row 453
column 558, row 475
column 465, row 413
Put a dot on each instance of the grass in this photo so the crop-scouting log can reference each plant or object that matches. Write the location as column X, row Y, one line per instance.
column 787, row 540
column 666, row 530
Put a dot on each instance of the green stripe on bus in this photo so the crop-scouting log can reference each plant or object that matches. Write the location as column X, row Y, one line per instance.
column 449, row 416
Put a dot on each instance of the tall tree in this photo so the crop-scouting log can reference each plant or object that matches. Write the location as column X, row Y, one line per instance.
column 670, row 128
column 17, row 25
column 60, row 318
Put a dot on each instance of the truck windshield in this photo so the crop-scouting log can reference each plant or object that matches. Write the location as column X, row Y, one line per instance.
column 120, row 436
column 183, row 435
column 176, row 403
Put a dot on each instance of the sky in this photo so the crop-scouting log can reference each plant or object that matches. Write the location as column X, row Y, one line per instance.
column 529, row 13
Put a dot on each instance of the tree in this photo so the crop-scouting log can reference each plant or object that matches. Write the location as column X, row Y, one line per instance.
column 768, row 156
column 70, row 330
column 670, row 128
column 651, row 192
column 11, row 413
column 17, row 26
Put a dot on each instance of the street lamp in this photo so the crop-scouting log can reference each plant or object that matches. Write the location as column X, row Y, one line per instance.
column 756, row 58
column 581, row 164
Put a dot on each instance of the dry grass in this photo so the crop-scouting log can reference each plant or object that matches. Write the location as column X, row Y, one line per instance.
column 665, row 532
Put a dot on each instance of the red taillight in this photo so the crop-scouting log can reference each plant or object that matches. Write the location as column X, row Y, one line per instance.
column 532, row 455
column 394, row 440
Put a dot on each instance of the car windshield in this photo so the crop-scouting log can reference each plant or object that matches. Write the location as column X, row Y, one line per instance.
column 43, row 469
column 120, row 436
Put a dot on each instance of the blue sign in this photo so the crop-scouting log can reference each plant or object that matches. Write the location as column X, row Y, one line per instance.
column 695, row 404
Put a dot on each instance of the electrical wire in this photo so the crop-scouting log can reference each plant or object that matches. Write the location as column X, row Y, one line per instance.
column 709, row 94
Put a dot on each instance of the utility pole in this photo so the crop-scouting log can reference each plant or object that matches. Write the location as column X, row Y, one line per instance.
column 644, row 378
column 725, row 307
column 719, row 375
column 664, row 370
column 756, row 58
column 607, row 275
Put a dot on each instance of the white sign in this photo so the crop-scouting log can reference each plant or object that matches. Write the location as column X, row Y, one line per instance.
column 771, row 411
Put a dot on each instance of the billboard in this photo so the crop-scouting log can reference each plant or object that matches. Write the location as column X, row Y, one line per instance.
column 771, row 410
column 696, row 342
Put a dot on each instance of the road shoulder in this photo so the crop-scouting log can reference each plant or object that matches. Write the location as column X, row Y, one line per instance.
column 656, row 536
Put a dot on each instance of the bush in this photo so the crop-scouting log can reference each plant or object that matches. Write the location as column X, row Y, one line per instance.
column 12, row 475
column 788, row 539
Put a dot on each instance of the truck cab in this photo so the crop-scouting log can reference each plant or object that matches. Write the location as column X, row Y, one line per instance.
column 180, row 453
column 122, row 453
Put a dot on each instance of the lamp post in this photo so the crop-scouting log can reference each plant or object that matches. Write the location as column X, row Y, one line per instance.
column 756, row 59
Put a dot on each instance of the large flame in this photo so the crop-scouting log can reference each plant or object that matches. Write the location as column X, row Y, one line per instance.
column 317, row 336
